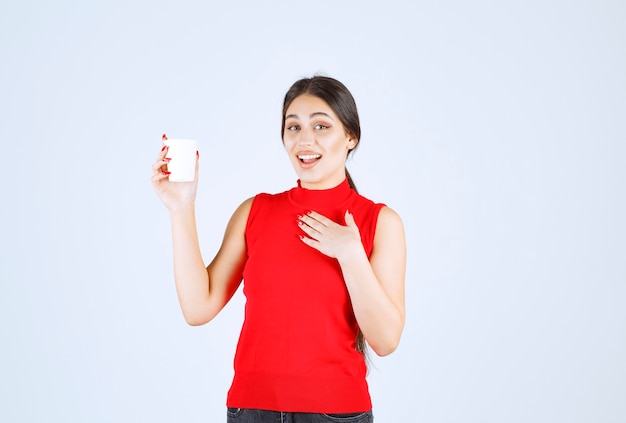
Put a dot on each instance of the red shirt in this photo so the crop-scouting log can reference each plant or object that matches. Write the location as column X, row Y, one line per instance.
column 297, row 347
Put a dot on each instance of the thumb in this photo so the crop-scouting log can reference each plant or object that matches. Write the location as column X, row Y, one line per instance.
column 197, row 164
column 349, row 219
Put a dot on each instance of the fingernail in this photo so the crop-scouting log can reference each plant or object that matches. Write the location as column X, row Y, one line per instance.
column 164, row 147
column 166, row 173
column 163, row 137
column 167, row 159
column 197, row 154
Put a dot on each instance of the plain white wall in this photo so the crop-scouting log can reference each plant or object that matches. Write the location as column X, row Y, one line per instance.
column 496, row 130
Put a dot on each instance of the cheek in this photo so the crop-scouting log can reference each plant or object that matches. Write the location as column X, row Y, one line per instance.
column 341, row 147
column 287, row 142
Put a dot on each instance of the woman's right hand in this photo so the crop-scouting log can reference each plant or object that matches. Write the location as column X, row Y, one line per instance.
column 175, row 195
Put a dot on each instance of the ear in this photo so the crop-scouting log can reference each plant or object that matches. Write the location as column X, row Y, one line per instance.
column 352, row 142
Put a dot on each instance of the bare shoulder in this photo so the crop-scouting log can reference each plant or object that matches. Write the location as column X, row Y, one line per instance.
column 243, row 210
column 236, row 228
column 232, row 251
column 389, row 221
column 226, row 269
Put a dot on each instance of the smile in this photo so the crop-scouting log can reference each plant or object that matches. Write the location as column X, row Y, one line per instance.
column 309, row 158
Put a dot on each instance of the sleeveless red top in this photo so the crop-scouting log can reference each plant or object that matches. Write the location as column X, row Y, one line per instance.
column 297, row 347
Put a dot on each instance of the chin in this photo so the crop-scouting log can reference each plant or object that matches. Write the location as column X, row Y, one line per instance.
column 305, row 176
column 304, row 180
column 307, row 179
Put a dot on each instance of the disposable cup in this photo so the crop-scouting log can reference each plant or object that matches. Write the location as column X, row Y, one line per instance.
column 182, row 152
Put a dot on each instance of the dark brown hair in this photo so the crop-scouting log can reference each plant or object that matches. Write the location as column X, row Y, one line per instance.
column 341, row 102
column 338, row 98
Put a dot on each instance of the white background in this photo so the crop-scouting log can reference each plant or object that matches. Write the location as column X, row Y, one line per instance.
column 496, row 129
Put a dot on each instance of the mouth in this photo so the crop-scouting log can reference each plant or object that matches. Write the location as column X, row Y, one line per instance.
column 309, row 159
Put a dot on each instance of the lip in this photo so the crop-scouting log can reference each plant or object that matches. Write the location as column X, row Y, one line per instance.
column 309, row 165
column 307, row 153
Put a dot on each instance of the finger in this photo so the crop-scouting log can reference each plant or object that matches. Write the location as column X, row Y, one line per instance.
column 308, row 221
column 309, row 230
column 158, row 177
column 163, row 152
column 310, row 242
column 160, row 165
column 159, row 168
column 320, row 218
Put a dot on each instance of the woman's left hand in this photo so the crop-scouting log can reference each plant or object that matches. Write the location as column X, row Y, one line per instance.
column 328, row 237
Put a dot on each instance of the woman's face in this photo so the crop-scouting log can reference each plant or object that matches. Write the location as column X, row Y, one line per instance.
column 316, row 143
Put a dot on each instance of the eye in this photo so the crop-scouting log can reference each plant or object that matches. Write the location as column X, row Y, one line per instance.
column 292, row 128
column 320, row 126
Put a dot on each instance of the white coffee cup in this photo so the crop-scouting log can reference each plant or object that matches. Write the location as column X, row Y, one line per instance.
column 182, row 152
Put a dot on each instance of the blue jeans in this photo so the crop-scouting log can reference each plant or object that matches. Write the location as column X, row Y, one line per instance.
column 246, row 415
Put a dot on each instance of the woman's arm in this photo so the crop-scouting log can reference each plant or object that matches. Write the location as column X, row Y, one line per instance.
column 202, row 292
column 376, row 286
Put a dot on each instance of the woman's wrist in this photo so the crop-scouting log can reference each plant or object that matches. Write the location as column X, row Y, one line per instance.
column 182, row 212
column 352, row 255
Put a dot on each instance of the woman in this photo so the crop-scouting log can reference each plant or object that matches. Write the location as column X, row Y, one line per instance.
column 323, row 269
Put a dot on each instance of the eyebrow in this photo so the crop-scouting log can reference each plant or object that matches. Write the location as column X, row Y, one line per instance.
column 311, row 116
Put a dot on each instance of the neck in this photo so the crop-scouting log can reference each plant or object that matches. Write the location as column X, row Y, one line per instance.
column 324, row 184
column 321, row 198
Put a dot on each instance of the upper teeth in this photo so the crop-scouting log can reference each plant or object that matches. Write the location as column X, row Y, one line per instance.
column 309, row 156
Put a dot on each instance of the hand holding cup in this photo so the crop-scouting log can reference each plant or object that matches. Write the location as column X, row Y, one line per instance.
column 174, row 174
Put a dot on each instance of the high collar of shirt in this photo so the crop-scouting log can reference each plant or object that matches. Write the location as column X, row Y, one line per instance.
column 321, row 198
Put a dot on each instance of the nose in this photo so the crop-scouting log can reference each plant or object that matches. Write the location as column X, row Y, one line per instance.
column 306, row 137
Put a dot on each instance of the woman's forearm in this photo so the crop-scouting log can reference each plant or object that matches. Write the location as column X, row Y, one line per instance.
column 380, row 319
column 190, row 274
